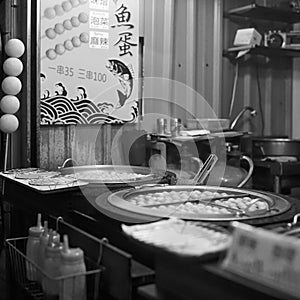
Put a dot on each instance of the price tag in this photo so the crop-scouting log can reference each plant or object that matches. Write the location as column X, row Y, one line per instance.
column 266, row 257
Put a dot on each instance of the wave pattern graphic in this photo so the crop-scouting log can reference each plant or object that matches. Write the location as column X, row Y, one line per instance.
column 62, row 110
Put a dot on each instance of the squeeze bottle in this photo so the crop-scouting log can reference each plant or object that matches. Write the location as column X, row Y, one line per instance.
column 52, row 261
column 73, row 286
column 32, row 247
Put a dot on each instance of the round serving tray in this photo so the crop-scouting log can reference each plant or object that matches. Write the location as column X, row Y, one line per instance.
column 185, row 239
column 121, row 200
column 120, row 174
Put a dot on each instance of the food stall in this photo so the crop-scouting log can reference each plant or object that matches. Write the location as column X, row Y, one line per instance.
column 158, row 191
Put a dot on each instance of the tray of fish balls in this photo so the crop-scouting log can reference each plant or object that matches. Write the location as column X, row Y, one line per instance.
column 116, row 174
column 187, row 239
column 204, row 203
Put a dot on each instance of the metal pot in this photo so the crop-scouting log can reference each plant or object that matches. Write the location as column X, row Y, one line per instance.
column 270, row 146
column 233, row 176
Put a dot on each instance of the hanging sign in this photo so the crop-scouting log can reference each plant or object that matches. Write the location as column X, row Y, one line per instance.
column 89, row 61
column 265, row 257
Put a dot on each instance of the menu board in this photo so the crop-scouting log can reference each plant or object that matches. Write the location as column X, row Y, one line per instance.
column 89, row 61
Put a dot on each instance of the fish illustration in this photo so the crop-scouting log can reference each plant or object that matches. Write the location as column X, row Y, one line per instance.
column 124, row 76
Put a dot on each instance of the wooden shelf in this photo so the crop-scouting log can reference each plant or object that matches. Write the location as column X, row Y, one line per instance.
column 253, row 11
column 265, row 51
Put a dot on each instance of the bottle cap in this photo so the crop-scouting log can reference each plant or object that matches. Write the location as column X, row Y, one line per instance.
column 54, row 238
column 72, row 255
column 37, row 230
column 51, row 251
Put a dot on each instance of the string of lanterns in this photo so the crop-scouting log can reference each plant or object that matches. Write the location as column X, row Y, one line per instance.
column 11, row 85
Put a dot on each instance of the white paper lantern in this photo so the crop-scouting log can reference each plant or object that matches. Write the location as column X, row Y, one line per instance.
column 12, row 66
column 9, row 104
column 9, row 123
column 11, row 85
column 14, row 48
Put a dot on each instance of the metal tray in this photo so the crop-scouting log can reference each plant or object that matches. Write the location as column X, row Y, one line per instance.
column 185, row 239
column 276, row 204
column 92, row 173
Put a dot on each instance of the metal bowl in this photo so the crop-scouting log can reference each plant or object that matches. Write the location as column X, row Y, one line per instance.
column 271, row 146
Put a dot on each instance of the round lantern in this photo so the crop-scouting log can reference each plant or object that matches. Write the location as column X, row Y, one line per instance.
column 9, row 104
column 12, row 66
column 11, row 85
column 9, row 123
column 14, row 48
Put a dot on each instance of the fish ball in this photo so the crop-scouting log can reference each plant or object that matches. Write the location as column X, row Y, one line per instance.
column 84, row 37
column 51, row 54
column 60, row 49
column 67, row 24
column 68, row 45
column 75, row 21
column 50, row 33
column 67, row 6
column 74, row 3
column 83, row 17
column 58, row 10
column 49, row 13
column 76, row 41
column 59, row 28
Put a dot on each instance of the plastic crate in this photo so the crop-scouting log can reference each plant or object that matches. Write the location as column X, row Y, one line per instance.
column 21, row 268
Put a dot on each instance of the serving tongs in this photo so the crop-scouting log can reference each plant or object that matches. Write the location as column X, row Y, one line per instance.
column 199, row 178
column 204, row 170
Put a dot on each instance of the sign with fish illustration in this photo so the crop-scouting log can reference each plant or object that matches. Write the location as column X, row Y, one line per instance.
column 89, row 61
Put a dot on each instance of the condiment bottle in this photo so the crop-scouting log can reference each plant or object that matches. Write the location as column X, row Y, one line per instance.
column 52, row 266
column 44, row 240
column 32, row 247
column 73, row 286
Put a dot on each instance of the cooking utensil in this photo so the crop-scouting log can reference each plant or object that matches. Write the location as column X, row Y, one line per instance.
column 140, row 175
column 269, row 146
column 204, row 171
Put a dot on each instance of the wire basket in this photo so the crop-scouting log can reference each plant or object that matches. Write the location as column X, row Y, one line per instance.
column 82, row 286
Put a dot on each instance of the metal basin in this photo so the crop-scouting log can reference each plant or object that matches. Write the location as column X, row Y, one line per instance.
column 270, row 146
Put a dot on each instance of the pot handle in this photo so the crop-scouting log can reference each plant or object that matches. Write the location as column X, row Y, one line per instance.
column 250, row 171
column 69, row 162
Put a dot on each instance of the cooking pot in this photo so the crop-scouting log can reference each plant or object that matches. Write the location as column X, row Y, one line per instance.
column 233, row 175
column 275, row 146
